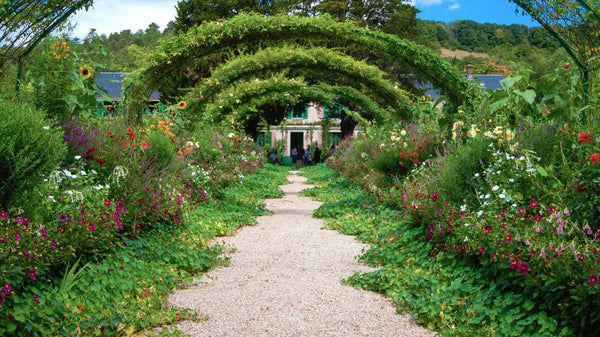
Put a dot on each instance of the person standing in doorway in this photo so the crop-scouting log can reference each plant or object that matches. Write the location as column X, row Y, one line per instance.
column 295, row 156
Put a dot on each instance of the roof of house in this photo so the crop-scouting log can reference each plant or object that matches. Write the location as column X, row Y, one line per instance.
column 488, row 82
column 112, row 82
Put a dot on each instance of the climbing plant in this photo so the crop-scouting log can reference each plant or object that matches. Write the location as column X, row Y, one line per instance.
column 576, row 25
column 243, row 98
column 293, row 57
column 249, row 33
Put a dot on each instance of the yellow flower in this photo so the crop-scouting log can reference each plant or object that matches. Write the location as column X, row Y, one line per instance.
column 182, row 105
column 403, row 132
column 509, row 135
column 85, row 72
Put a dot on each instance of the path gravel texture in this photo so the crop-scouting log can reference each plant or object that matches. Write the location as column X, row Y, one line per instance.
column 285, row 280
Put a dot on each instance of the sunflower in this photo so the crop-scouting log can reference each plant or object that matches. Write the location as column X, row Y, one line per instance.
column 85, row 72
column 182, row 105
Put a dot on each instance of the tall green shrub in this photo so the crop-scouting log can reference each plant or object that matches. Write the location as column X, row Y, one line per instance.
column 30, row 144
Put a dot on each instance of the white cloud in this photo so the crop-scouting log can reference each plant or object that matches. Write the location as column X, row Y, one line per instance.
column 425, row 3
column 454, row 6
column 109, row 16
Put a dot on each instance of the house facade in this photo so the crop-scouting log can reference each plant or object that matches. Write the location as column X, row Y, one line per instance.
column 306, row 126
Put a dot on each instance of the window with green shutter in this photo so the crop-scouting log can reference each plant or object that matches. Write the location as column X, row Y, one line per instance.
column 264, row 138
column 331, row 112
column 298, row 111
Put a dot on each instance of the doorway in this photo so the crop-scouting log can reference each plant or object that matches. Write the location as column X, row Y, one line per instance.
column 296, row 140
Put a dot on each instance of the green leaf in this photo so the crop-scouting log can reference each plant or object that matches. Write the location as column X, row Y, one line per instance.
column 528, row 95
column 528, row 305
column 542, row 171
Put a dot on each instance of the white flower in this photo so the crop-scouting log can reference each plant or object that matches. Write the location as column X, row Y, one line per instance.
column 466, row 239
column 495, row 188
column 476, row 175
column 94, row 172
column 511, row 180
column 46, row 127
column 487, row 196
column 51, row 197
column 463, row 208
column 83, row 173
column 77, row 157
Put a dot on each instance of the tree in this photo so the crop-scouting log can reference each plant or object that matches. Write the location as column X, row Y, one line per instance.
column 194, row 12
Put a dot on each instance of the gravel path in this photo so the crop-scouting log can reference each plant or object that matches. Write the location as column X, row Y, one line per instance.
column 284, row 280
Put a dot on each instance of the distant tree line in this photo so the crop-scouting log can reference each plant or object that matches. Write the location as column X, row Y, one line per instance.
column 530, row 47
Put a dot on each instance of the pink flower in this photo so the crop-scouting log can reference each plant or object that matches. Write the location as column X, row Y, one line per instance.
column 593, row 280
column 567, row 66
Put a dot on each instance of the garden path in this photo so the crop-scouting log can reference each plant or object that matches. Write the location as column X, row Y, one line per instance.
column 284, row 280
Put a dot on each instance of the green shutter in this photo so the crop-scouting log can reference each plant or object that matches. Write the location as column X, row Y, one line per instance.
column 305, row 112
column 325, row 111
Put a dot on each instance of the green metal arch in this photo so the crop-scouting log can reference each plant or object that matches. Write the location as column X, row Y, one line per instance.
column 244, row 29
column 241, row 95
column 314, row 58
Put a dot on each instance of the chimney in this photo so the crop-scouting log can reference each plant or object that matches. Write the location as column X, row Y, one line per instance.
column 470, row 72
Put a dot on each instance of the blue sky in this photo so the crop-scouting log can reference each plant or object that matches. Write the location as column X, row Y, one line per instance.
column 109, row 16
column 482, row 11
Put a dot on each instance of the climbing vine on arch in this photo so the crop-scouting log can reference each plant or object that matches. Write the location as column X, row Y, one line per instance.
column 246, row 32
column 243, row 99
column 370, row 78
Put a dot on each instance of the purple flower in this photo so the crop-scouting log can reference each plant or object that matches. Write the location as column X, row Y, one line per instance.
column 523, row 268
column 19, row 220
column 26, row 253
column 92, row 227
column 17, row 237
column 593, row 280
column 5, row 289
column 63, row 218
column 53, row 244
column 36, row 298
column 3, row 214
column 32, row 274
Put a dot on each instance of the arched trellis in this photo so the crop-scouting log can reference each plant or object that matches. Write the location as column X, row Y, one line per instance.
column 244, row 97
column 314, row 58
column 244, row 31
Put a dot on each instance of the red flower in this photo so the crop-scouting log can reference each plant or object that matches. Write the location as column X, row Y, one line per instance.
column 567, row 66
column 579, row 188
column 584, row 137
column 143, row 144
column 100, row 160
column 594, row 158
column 90, row 151
column 508, row 238
column 593, row 280
column 129, row 130
column 132, row 136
